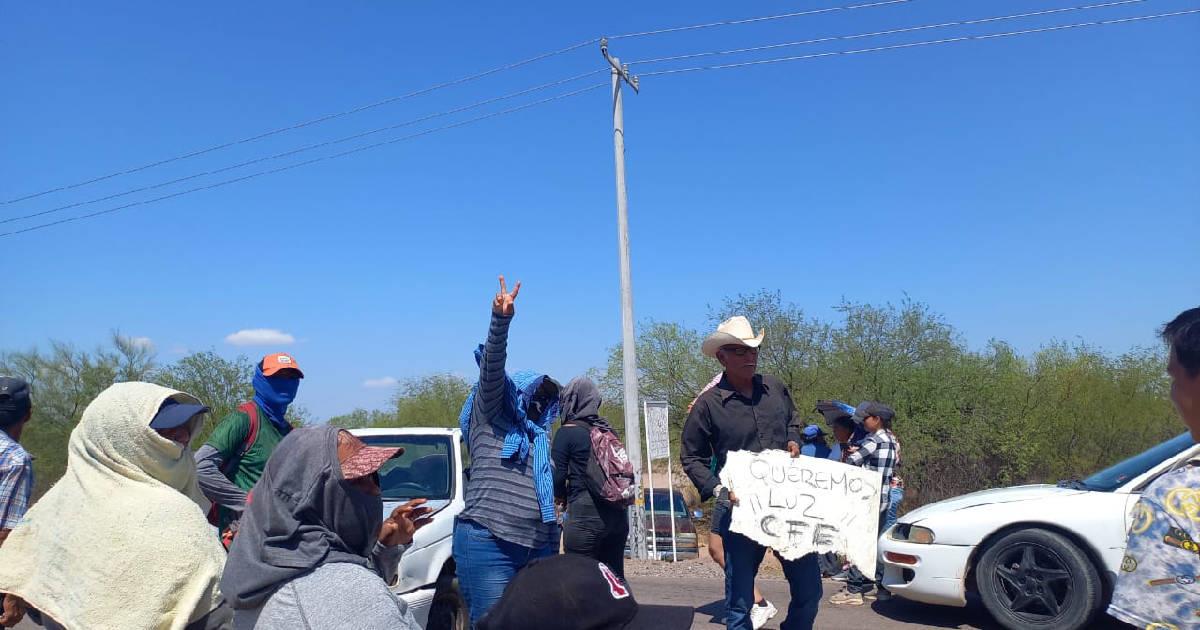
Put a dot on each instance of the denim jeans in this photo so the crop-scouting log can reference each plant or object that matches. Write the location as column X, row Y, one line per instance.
column 742, row 558
column 485, row 564
column 893, row 512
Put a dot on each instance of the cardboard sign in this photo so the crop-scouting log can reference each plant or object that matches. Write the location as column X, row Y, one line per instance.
column 804, row 504
column 657, row 430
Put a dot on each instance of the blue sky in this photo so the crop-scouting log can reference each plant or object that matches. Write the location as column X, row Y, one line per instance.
column 1029, row 188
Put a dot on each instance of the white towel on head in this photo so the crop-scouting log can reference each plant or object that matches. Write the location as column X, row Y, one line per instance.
column 121, row 541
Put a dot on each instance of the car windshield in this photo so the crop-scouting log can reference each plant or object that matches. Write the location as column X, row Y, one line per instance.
column 423, row 471
column 1118, row 475
column 662, row 507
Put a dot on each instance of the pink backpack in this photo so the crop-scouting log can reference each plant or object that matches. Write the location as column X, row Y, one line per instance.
column 610, row 473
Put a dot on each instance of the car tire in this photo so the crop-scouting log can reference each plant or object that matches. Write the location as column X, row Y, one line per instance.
column 448, row 611
column 1035, row 578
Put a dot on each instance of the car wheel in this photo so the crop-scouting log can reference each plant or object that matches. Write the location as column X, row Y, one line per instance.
column 1034, row 578
column 448, row 610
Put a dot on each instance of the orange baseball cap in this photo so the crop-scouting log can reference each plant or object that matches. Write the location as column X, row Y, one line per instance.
column 272, row 363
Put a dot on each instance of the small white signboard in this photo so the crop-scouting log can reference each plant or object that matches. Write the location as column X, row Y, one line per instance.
column 804, row 504
column 657, row 430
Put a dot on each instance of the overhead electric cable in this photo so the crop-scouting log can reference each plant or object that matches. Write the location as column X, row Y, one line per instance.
column 354, row 110
column 309, row 147
column 310, row 122
column 916, row 44
column 765, row 18
column 895, row 31
column 308, row 162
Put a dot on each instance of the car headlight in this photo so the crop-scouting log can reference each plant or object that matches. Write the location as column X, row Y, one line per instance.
column 913, row 534
column 920, row 535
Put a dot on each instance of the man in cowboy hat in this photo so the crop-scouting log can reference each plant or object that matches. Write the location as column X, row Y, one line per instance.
column 745, row 411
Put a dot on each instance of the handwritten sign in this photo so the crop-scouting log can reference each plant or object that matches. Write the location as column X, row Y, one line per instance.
column 657, row 430
column 800, row 505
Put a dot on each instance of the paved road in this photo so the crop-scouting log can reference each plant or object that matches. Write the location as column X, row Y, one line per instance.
column 698, row 603
column 679, row 603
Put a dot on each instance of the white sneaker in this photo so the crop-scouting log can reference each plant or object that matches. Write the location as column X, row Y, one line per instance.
column 760, row 615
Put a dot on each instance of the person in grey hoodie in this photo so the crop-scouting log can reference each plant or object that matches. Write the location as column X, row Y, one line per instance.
column 314, row 551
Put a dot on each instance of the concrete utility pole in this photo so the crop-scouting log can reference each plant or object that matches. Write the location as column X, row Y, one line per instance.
column 633, row 432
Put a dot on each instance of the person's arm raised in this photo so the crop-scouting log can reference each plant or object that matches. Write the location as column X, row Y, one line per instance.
column 492, row 388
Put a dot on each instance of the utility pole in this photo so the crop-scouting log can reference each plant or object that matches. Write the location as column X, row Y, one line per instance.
column 633, row 432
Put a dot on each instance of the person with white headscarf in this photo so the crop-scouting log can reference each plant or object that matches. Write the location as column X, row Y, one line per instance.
column 121, row 541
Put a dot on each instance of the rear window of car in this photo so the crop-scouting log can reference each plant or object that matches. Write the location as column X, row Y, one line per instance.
column 1119, row 474
column 662, row 507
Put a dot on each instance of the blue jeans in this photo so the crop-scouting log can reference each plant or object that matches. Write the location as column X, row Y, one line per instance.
column 485, row 564
column 893, row 511
column 742, row 558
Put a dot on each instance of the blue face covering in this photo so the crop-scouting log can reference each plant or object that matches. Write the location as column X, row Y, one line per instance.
column 274, row 394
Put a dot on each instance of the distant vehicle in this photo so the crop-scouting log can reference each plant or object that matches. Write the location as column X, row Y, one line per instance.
column 1038, row 556
column 431, row 468
column 659, row 545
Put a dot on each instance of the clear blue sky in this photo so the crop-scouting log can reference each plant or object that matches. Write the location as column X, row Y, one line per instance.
column 1033, row 188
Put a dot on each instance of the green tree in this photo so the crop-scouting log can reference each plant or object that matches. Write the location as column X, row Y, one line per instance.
column 966, row 419
column 63, row 380
column 430, row 401
column 427, row 401
column 363, row 418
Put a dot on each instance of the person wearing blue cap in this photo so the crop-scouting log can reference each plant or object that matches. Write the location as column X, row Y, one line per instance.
column 120, row 541
column 814, row 442
column 173, row 420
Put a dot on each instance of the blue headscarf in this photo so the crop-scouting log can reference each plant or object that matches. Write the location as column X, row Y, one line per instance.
column 273, row 394
column 523, row 435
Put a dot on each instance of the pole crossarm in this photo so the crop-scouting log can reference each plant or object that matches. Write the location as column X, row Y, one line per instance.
column 621, row 69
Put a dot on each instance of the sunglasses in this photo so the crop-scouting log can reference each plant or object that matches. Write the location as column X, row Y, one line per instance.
column 740, row 351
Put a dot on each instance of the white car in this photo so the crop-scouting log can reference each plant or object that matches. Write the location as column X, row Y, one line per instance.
column 431, row 467
column 1038, row 556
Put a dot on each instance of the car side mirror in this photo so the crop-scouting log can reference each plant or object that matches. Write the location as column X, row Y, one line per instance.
column 697, row 513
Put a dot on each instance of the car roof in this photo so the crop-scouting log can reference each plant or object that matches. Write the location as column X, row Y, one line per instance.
column 406, row 431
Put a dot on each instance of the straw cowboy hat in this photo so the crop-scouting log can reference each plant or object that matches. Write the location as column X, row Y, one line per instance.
column 735, row 331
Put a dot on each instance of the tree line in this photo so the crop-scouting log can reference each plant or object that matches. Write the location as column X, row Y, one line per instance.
column 967, row 419
column 63, row 379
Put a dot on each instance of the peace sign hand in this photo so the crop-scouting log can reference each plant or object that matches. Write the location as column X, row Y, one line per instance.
column 502, row 304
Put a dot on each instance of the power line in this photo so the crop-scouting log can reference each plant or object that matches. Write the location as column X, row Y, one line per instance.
column 921, row 43
column 308, row 162
column 694, row 27
column 887, row 32
column 310, row 122
column 460, row 81
column 310, row 147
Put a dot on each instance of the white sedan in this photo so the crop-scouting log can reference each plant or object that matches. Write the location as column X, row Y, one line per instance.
column 1038, row 556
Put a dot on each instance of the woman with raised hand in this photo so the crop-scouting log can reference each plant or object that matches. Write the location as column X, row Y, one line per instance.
column 509, row 518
